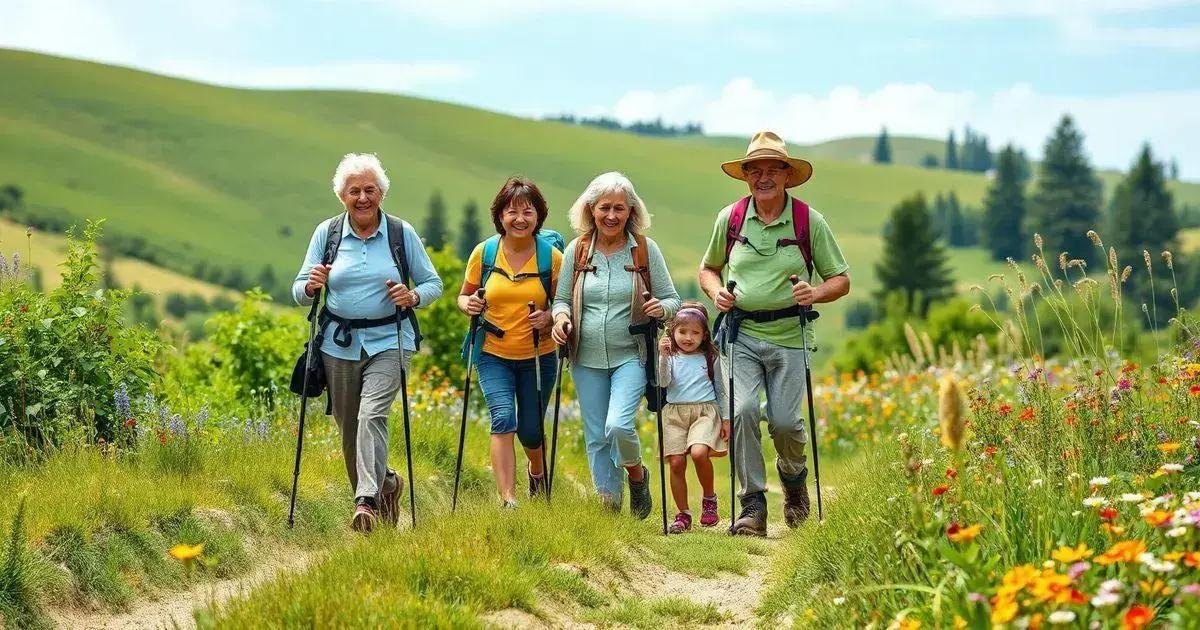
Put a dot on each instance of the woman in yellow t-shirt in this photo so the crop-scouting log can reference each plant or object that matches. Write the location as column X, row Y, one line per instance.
column 506, row 365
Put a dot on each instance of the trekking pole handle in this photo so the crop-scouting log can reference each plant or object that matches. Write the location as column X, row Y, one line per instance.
column 794, row 279
column 730, row 286
column 532, row 307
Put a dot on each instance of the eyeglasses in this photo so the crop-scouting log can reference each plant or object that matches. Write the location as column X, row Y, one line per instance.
column 771, row 172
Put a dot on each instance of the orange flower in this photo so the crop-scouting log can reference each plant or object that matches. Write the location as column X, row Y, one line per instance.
column 1027, row 414
column 1158, row 518
column 1194, row 390
column 940, row 490
column 1192, row 559
column 1004, row 609
column 963, row 534
column 1137, row 617
column 1124, row 551
column 1004, row 409
column 989, row 451
column 1108, row 513
column 951, row 473
column 1169, row 447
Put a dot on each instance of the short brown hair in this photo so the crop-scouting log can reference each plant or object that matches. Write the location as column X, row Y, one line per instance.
column 515, row 188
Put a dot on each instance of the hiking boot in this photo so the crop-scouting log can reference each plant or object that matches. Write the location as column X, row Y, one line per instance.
column 389, row 500
column 708, row 514
column 509, row 504
column 639, row 496
column 537, row 485
column 683, row 522
column 364, row 516
column 753, row 519
column 795, row 497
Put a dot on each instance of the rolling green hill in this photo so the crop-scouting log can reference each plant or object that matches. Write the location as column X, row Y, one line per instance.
column 240, row 177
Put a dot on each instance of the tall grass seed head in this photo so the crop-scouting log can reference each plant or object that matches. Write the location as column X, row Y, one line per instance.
column 1062, row 261
column 950, row 413
column 1146, row 257
column 1126, row 272
column 1037, row 240
column 1095, row 238
column 1169, row 259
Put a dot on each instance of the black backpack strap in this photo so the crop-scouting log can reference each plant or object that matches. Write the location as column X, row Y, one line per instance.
column 333, row 239
column 395, row 228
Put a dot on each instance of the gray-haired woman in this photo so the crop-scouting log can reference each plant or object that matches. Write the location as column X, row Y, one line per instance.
column 605, row 272
column 359, row 345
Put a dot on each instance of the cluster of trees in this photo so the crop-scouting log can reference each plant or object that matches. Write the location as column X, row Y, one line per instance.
column 436, row 232
column 972, row 155
column 654, row 127
column 1061, row 206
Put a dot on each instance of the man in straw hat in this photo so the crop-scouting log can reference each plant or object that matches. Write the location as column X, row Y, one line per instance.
column 758, row 244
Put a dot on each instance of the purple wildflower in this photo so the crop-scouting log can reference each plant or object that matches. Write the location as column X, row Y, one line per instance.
column 177, row 427
column 121, row 400
column 3, row 266
column 16, row 264
column 1077, row 569
column 164, row 415
column 1124, row 384
column 202, row 417
column 262, row 429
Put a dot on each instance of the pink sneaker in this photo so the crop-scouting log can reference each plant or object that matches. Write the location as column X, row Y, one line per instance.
column 364, row 519
column 709, row 515
column 683, row 522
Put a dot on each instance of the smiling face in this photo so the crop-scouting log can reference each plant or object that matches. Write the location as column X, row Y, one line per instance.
column 611, row 214
column 688, row 336
column 519, row 218
column 361, row 196
column 767, row 180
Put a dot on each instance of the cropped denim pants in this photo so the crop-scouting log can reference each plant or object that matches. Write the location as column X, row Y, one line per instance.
column 510, row 389
column 609, row 401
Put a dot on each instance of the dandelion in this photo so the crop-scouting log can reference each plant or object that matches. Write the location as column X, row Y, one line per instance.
column 950, row 414
column 186, row 553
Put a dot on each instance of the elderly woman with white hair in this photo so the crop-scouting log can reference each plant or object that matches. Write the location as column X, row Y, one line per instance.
column 369, row 263
column 606, row 271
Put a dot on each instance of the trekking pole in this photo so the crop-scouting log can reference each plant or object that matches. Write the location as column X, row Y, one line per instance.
column 462, row 426
column 805, row 312
column 652, row 360
column 412, row 496
column 729, row 286
column 308, row 361
column 537, row 375
column 562, row 358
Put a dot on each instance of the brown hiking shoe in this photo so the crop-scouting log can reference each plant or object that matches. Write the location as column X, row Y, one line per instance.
column 753, row 519
column 795, row 498
column 537, row 485
column 364, row 517
column 389, row 501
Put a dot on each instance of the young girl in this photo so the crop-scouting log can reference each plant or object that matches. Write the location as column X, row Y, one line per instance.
column 692, row 422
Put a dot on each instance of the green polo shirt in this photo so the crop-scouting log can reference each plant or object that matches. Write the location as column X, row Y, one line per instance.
column 762, row 275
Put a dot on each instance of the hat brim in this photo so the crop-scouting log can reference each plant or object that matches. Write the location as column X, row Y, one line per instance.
column 800, row 172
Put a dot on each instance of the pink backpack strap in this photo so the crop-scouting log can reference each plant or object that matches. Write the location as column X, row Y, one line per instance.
column 737, row 218
column 803, row 239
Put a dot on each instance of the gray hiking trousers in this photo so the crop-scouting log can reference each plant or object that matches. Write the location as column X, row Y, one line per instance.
column 363, row 392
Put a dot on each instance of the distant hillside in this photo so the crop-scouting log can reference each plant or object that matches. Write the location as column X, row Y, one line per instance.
column 235, row 177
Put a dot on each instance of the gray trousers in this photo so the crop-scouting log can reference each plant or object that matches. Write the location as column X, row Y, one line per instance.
column 761, row 366
column 362, row 393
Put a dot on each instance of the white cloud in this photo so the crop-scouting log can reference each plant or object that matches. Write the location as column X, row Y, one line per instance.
column 1115, row 125
column 369, row 76
column 73, row 28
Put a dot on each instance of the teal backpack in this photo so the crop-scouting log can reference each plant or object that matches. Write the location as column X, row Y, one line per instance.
column 545, row 241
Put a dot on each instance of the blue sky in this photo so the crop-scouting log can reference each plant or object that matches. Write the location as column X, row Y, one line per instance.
column 814, row 69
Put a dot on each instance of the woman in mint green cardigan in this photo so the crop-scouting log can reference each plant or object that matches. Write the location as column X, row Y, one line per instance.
column 592, row 313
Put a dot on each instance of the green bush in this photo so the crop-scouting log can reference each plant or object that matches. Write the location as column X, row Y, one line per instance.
column 255, row 347
column 442, row 324
column 949, row 323
column 63, row 354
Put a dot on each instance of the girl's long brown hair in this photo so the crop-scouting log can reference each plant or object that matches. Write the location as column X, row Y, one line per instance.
column 707, row 346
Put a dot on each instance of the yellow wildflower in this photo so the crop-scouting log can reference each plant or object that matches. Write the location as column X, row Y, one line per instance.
column 965, row 534
column 1124, row 551
column 1169, row 447
column 186, row 553
column 1067, row 555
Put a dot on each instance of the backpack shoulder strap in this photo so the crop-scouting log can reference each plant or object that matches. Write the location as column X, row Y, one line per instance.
column 333, row 238
column 733, row 230
column 487, row 262
column 544, row 252
column 397, row 247
column 583, row 257
column 641, row 260
column 800, row 221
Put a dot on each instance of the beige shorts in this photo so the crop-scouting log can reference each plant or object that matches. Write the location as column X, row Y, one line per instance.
column 685, row 424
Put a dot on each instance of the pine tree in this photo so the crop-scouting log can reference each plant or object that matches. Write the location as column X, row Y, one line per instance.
column 1004, row 209
column 1142, row 218
column 940, row 218
column 1174, row 172
column 951, row 160
column 1066, row 203
column 434, row 232
column 929, row 161
column 469, row 233
column 883, row 148
column 914, row 262
column 955, row 229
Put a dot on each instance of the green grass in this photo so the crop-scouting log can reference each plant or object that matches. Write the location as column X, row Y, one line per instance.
column 214, row 173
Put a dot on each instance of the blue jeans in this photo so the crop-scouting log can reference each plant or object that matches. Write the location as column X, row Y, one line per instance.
column 510, row 389
column 609, row 401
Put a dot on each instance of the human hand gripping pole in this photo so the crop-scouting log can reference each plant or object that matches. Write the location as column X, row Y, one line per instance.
column 807, row 314
column 541, row 410
column 462, row 427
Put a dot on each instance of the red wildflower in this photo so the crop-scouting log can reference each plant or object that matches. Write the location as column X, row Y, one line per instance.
column 990, row 451
column 951, row 473
column 1027, row 414
column 1108, row 513
column 1194, row 390
column 1138, row 616
column 1129, row 367
column 1004, row 409
column 129, row 423
column 940, row 490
